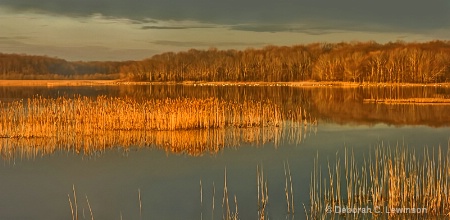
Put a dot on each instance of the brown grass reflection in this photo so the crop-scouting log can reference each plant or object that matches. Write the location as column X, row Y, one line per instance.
column 188, row 126
column 191, row 142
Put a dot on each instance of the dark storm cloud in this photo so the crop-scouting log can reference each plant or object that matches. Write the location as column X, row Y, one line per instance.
column 193, row 44
column 315, row 28
column 162, row 27
column 151, row 27
column 403, row 14
column 310, row 30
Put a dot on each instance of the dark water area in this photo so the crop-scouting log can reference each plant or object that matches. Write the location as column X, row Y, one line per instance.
column 37, row 186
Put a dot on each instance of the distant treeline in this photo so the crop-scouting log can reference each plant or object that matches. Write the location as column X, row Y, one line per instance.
column 397, row 62
column 349, row 62
column 15, row 66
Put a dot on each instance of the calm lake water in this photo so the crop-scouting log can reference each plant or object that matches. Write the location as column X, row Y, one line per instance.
column 37, row 186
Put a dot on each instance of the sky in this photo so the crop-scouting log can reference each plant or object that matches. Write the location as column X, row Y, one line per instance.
column 137, row 29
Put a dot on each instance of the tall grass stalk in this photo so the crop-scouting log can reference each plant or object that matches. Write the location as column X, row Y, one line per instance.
column 90, row 209
column 201, row 200
column 75, row 202
column 213, row 200
column 288, row 188
column 140, row 203
column 226, row 211
column 263, row 196
column 73, row 205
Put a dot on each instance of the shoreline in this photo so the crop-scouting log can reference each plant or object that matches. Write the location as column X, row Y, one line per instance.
column 52, row 83
column 411, row 101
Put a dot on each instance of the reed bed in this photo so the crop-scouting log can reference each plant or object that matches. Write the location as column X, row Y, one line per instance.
column 192, row 126
column 44, row 117
column 392, row 181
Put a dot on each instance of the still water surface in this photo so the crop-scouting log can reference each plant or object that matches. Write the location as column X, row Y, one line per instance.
column 169, row 183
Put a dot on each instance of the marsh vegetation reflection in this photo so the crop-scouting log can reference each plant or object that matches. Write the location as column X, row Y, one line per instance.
column 184, row 125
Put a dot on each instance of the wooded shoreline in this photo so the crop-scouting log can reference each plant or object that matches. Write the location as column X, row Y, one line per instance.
column 54, row 83
column 352, row 62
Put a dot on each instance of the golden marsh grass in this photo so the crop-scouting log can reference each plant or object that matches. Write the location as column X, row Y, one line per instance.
column 40, row 126
column 393, row 178
column 42, row 117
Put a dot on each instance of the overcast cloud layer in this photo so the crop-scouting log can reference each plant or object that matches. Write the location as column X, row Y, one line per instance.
column 134, row 29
